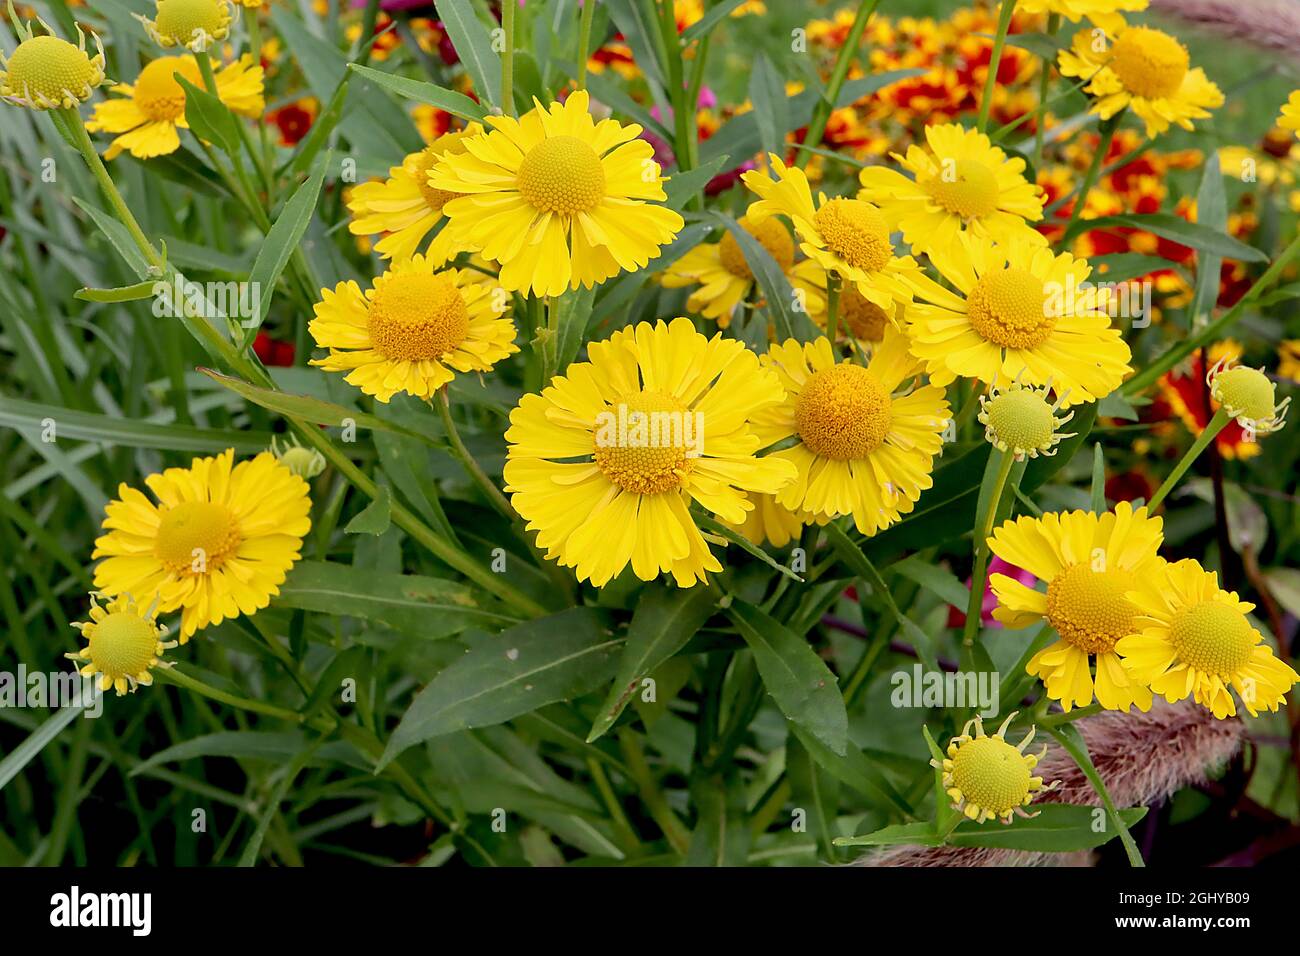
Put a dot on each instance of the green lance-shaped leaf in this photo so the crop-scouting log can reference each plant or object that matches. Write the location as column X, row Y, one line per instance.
column 512, row 673
column 799, row 681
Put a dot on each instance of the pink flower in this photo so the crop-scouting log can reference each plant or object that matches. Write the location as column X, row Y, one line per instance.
column 957, row 616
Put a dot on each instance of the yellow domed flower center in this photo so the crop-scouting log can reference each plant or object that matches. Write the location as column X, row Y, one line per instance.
column 967, row 188
column 864, row 318
column 1212, row 638
column 642, row 443
column 1007, row 308
column 183, row 21
column 42, row 68
column 196, row 537
column 1149, row 63
column 843, row 413
column 157, row 93
column 1089, row 609
column 415, row 318
column 856, row 232
column 123, row 644
column 991, row 774
column 1022, row 418
column 562, row 174
column 1245, row 393
column 771, row 235
column 449, row 144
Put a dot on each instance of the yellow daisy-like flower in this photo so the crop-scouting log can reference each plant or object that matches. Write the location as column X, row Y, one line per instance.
column 1248, row 395
column 1022, row 313
column 406, row 206
column 413, row 329
column 1193, row 639
column 865, row 444
column 1144, row 69
column 1021, row 420
column 218, row 543
column 1089, row 562
column 773, row 523
column 845, row 236
column 557, row 198
column 988, row 777
column 606, row 461
column 962, row 183
column 1288, row 359
column 725, row 279
column 154, row 108
column 123, row 644
column 1290, row 115
column 192, row 24
column 47, row 73
column 1107, row 14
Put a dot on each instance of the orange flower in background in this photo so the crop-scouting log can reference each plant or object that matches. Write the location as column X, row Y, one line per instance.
column 293, row 120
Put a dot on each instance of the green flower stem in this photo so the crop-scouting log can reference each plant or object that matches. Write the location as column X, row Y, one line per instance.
column 171, row 675
column 508, row 10
column 71, row 119
column 1078, row 713
column 1107, row 129
column 981, row 550
column 584, row 40
column 1203, row 440
column 442, row 405
column 832, row 307
column 1214, row 330
column 1072, row 742
column 839, row 72
column 1044, row 84
column 995, row 60
column 656, row 803
column 622, row 826
column 255, row 50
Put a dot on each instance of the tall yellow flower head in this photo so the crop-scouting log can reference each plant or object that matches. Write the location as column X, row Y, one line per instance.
column 1193, row 639
column 45, row 72
column 960, row 183
column 1019, row 313
column 605, row 463
column 1290, row 115
column 1144, row 69
column 1089, row 563
column 725, row 280
column 414, row 329
column 151, row 111
column 1104, row 13
column 218, row 543
column 849, row 237
column 407, row 206
column 123, row 644
column 559, row 199
column 192, row 24
column 987, row 777
column 866, row 438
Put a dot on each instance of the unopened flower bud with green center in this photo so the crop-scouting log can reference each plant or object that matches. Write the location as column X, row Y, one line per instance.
column 988, row 777
column 306, row 463
column 1247, row 395
column 46, row 73
column 1021, row 420
column 193, row 24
